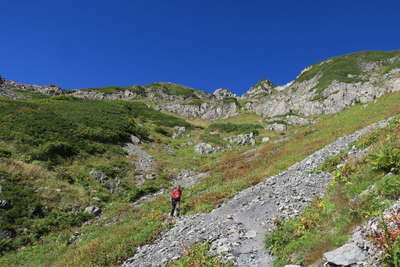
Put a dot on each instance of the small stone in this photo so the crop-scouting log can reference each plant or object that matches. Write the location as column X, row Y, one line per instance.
column 150, row 176
column 93, row 210
column 135, row 140
column 251, row 234
column 265, row 139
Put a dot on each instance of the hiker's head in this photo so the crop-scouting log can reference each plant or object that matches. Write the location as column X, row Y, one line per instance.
column 178, row 186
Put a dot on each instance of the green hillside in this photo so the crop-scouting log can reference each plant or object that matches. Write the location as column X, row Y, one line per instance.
column 49, row 146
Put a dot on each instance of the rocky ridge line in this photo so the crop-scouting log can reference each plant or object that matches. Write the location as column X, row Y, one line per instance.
column 238, row 227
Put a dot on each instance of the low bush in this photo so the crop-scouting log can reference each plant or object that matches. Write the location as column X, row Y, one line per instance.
column 387, row 158
column 138, row 192
column 162, row 131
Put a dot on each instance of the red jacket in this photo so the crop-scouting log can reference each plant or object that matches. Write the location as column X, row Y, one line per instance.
column 176, row 193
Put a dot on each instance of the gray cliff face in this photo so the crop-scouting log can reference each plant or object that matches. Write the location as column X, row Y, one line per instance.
column 305, row 98
column 212, row 110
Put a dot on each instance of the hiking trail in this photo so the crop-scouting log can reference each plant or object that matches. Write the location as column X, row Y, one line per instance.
column 237, row 228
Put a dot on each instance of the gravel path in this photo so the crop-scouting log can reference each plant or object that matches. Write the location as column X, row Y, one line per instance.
column 238, row 227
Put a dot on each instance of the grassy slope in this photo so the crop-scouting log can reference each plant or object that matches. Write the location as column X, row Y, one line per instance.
column 303, row 240
column 347, row 68
column 48, row 146
column 101, row 245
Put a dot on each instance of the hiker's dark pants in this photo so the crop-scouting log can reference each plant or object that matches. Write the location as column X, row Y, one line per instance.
column 175, row 203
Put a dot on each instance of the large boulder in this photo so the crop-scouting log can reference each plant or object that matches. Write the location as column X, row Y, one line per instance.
column 345, row 255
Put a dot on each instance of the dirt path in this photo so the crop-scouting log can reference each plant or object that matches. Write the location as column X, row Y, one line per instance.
column 238, row 227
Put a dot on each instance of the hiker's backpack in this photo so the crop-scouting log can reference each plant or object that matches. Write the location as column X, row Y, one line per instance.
column 176, row 193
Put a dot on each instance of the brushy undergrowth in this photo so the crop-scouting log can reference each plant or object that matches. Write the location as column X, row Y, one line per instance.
column 53, row 129
column 198, row 256
column 303, row 239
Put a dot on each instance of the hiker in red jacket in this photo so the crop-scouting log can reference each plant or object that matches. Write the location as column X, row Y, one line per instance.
column 176, row 194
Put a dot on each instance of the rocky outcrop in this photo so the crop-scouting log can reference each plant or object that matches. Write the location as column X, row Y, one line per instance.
column 303, row 97
column 204, row 148
column 122, row 95
column 7, row 85
column 293, row 120
column 210, row 110
column 222, row 93
column 262, row 88
column 242, row 139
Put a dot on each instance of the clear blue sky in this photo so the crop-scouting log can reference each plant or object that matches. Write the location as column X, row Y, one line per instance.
column 204, row 44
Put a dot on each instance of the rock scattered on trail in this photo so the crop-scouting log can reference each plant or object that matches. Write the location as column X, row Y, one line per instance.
column 278, row 127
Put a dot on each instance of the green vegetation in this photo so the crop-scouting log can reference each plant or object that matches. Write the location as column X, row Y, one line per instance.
column 50, row 146
column 346, row 68
column 235, row 128
column 196, row 102
column 122, row 228
column 303, row 240
column 108, row 90
column 175, row 89
column 229, row 100
column 198, row 256
column 54, row 129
